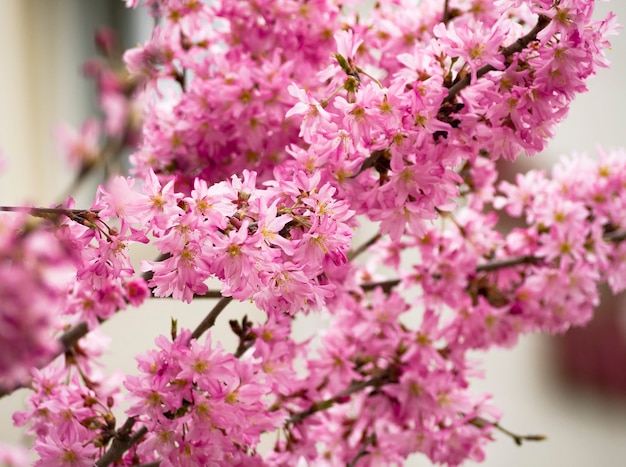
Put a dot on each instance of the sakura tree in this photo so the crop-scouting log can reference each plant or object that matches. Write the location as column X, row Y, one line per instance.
column 271, row 131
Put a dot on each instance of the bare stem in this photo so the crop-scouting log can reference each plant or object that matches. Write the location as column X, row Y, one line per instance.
column 446, row 12
column 517, row 439
column 371, row 439
column 355, row 253
column 209, row 320
column 385, row 285
column 508, row 263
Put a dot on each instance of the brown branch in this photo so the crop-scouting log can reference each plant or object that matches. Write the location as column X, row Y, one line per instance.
column 84, row 217
column 370, row 440
column 480, row 422
column 515, row 47
column 122, row 441
column 47, row 212
column 385, row 285
column 446, row 12
column 209, row 320
column 615, row 236
column 490, row 266
column 352, row 254
column 496, row 265
column 386, row 377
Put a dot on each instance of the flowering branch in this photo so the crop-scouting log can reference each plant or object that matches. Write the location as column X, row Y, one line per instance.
column 123, row 440
column 517, row 46
column 387, row 376
column 276, row 226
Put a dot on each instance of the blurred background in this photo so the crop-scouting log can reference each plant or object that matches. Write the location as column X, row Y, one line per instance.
column 570, row 388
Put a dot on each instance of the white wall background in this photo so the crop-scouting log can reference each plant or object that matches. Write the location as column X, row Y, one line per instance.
column 42, row 44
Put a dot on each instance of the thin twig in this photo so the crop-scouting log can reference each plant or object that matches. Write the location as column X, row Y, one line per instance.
column 508, row 263
column 209, row 320
column 385, row 285
column 480, row 422
column 494, row 265
column 47, row 212
column 354, row 253
column 371, row 439
column 446, row 12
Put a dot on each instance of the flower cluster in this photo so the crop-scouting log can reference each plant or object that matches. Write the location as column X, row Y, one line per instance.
column 36, row 267
column 225, row 108
column 70, row 410
column 201, row 405
column 275, row 245
column 269, row 126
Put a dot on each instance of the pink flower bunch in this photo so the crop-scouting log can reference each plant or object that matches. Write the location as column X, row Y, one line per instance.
column 542, row 277
column 399, row 138
column 201, row 405
column 269, row 126
column 376, row 381
column 231, row 67
column 70, row 410
column 37, row 265
column 271, row 245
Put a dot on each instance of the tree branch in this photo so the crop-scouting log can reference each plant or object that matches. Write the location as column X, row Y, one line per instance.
column 446, row 12
column 494, row 265
column 352, row 254
column 385, row 285
column 480, row 422
column 371, row 439
column 209, row 320
column 386, row 377
column 122, row 441
column 508, row 263
column 515, row 47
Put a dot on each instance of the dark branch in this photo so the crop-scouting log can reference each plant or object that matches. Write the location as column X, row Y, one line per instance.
column 480, row 422
column 209, row 320
column 446, row 12
column 385, row 285
column 515, row 47
column 508, row 263
column 370, row 440
column 122, row 441
column 386, row 377
column 355, row 253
